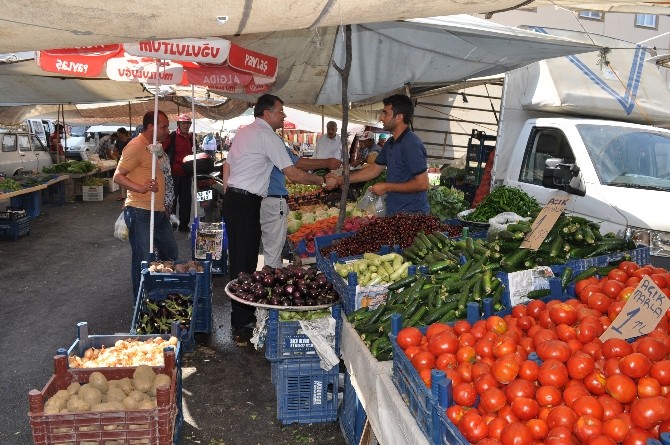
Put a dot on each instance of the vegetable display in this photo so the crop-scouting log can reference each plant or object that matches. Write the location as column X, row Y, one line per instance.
column 375, row 269
column 577, row 390
column 284, row 286
column 394, row 230
column 100, row 394
column 157, row 316
column 504, row 199
column 172, row 267
column 446, row 202
column 9, row 185
column 304, row 315
column 127, row 352
column 70, row 167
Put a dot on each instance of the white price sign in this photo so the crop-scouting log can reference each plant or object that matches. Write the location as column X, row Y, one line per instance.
column 641, row 313
column 205, row 195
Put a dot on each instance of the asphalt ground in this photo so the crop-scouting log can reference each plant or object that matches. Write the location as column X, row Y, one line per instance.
column 71, row 269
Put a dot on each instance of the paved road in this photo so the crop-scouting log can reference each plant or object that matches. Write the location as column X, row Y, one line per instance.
column 71, row 269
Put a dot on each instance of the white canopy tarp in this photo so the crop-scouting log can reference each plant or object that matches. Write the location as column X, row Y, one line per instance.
column 29, row 25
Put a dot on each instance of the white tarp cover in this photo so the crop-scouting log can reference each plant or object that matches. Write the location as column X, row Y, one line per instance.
column 29, row 25
column 625, row 88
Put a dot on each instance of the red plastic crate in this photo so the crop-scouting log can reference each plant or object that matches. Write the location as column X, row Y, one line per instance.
column 149, row 426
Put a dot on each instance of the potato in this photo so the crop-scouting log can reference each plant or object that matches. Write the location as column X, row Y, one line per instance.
column 55, row 404
column 63, row 393
column 126, row 384
column 74, row 387
column 130, row 403
column 90, row 394
column 109, row 406
column 143, row 378
column 115, row 394
column 77, row 405
column 160, row 380
column 98, row 380
column 147, row 404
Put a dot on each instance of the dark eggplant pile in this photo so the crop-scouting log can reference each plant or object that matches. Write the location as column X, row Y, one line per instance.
column 284, row 286
column 156, row 316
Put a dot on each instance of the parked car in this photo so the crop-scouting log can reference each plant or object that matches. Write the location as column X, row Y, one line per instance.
column 22, row 152
column 78, row 142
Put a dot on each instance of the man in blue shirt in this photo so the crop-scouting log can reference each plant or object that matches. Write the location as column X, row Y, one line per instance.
column 405, row 159
column 274, row 208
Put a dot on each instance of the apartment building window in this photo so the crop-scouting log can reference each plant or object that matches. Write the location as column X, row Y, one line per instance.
column 591, row 15
column 646, row 21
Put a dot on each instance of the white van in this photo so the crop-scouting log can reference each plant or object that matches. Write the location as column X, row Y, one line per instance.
column 22, row 152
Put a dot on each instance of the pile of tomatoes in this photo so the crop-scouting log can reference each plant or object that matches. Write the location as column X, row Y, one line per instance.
column 581, row 390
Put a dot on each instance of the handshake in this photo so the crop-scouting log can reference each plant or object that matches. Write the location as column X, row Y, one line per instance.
column 333, row 181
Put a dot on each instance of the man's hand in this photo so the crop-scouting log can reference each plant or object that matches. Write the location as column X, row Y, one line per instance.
column 331, row 183
column 149, row 186
column 378, row 189
column 334, row 164
column 338, row 179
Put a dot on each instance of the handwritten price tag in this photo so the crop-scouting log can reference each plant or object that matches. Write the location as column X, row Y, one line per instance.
column 544, row 222
column 641, row 313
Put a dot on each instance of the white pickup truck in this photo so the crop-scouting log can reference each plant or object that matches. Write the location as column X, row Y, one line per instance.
column 589, row 127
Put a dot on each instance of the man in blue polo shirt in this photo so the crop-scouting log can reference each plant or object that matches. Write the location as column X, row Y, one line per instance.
column 404, row 157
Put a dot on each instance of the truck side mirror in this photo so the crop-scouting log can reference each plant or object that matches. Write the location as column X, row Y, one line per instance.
column 560, row 176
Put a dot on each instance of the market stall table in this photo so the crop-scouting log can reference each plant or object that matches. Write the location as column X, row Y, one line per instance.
column 30, row 198
column 387, row 413
column 74, row 189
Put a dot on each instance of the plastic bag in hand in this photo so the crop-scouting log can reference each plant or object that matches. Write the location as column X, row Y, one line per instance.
column 372, row 204
column 120, row 228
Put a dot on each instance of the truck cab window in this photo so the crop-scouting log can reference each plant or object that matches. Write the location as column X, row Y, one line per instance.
column 9, row 143
column 24, row 144
column 545, row 145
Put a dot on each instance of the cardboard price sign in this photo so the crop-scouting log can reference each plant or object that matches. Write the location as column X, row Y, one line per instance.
column 641, row 313
column 544, row 222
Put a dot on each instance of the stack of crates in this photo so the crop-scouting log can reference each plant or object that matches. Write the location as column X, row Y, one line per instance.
column 480, row 146
column 14, row 223
column 305, row 392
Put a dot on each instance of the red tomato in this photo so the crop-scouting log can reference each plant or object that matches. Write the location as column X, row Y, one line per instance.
column 495, row 428
column 654, row 349
column 588, row 290
column 533, row 308
column 562, row 416
column 626, row 292
column 445, row 361
column 505, row 369
column 621, row 387
column 409, row 336
column 611, row 407
column 503, row 346
column 661, row 371
column 580, row 365
column 611, row 288
column 465, row 371
column 641, row 272
column 574, row 392
column 632, row 282
column 615, row 309
column 496, row 324
column 616, row 347
column 426, row 376
column 587, row 332
column 648, row 387
column 466, row 339
column 616, row 429
column 587, row 426
column 516, row 433
column 411, row 351
column 538, row 428
column 464, row 394
column 519, row 311
column 479, row 369
column 581, row 284
column 442, row 342
column 454, row 413
column 423, row 360
column 529, row 370
column 659, row 279
column 484, row 382
column 610, row 366
column 525, row 408
column 555, row 349
column 543, row 335
column 472, row 426
column 553, row 373
column 595, row 383
column 637, row 436
column 649, row 412
column 484, row 348
column 520, row 388
column 492, row 400
column 462, row 326
column 588, row 405
column 617, row 275
column 436, row 328
column 548, row 396
column 599, row 302
column 628, row 266
column 635, row 365
column 560, row 435
column 601, row 440
column 563, row 313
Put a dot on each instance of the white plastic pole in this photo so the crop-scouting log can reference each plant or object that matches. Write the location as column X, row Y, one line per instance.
column 153, row 162
column 195, row 173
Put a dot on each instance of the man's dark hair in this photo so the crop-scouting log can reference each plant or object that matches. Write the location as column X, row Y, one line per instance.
column 148, row 118
column 401, row 104
column 122, row 130
column 265, row 102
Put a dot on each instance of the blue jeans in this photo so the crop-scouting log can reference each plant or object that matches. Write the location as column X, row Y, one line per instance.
column 137, row 221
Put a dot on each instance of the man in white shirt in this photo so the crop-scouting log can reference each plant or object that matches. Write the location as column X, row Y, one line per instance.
column 329, row 145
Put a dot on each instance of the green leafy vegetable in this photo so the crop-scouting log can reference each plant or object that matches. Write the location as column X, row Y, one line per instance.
column 446, row 202
column 504, row 199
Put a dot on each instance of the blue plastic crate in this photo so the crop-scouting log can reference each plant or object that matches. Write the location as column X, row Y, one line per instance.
column 641, row 256
column 201, row 320
column 305, row 392
column 555, row 291
column 284, row 340
column 158, row 288
column 28, row 201
column 352, row 415
column 54, row 194
column 320, row 242
column 15, row 228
